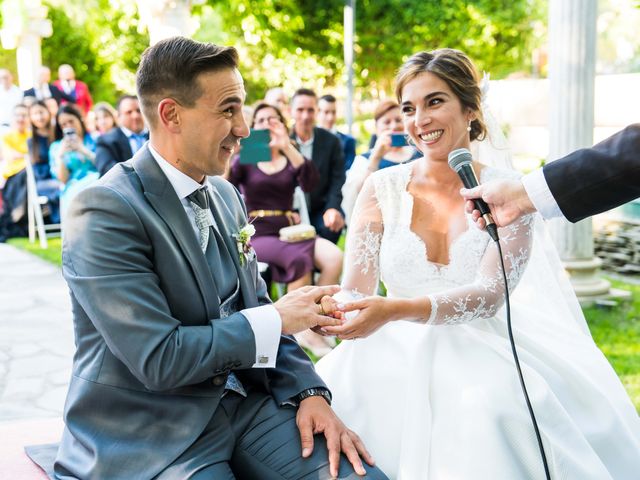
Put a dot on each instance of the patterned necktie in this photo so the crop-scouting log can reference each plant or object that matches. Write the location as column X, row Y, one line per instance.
column 220, row 264
column 200, row 204
column 212, row 244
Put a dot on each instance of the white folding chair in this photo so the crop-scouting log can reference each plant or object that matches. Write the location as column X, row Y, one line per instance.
column 300, row 204
column 34, row 209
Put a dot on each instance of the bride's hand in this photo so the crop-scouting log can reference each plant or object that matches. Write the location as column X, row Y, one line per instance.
column 373, row 313
column 329, row 308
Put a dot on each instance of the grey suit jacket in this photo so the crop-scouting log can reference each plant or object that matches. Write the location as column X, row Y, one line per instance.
column 152, row 354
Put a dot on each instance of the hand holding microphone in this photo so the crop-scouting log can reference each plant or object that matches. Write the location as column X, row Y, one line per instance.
column 460, row 161
column 507, row 199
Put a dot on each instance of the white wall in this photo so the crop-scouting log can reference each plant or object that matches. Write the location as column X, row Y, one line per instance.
column 523, row 107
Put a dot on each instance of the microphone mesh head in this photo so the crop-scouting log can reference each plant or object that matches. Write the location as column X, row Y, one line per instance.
column 459, row 158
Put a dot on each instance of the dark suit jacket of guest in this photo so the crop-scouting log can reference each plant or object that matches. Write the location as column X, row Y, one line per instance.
column 152, row 353
column 57, row 94
column 593, row 180
column 81, row 95
column 327, row 155
column 348, row 148
column 111, row 148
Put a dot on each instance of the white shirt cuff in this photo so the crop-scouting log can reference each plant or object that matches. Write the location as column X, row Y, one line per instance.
column 266, row 324
column 538, row 191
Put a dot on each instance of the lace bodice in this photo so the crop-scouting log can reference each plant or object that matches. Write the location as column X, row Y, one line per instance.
column 381, row 245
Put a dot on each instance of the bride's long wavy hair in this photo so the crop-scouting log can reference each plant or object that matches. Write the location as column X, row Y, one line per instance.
column 460, row 74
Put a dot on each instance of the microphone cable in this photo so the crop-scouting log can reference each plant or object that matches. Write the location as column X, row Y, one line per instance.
column 517, row 361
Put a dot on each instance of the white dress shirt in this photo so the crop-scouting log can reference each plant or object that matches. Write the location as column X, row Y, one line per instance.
column 306, row 148
column 9, row 99
column 535, row 184
column 133, row 143
column 42, row 91
column 68, row 86
column 265, row 320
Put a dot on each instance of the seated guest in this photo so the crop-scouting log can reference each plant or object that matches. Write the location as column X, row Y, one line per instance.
column 325, row 150
column 13, row 176
column 327, row 120
column 44, row 89
column 388, row 122
column 268, row 189
column 72, row 156
column 122, row 142
column 105, row 118
column 75, row 89
column 39, row 143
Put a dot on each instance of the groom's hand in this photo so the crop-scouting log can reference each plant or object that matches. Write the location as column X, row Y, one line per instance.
column 316, row 416
column 300, row 309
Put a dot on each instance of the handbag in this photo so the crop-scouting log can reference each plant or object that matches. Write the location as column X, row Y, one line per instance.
column 297, row 233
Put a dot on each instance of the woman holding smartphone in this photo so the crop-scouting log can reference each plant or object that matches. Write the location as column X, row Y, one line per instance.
column 268, row 189
column 71, row 156
column 390, row 149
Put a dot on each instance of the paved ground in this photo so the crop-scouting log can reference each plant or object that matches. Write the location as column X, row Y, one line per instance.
column 36, row 337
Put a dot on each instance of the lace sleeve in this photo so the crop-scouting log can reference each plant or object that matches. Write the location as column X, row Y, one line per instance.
column 355, row 178
column 364, row 236
column 485, row 295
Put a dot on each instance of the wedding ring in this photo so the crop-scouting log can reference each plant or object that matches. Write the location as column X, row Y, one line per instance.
column 322, row 312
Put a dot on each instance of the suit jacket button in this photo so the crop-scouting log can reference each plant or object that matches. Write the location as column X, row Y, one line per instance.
column 219, row 380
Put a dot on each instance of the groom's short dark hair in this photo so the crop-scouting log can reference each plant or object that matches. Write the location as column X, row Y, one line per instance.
column 171, row 67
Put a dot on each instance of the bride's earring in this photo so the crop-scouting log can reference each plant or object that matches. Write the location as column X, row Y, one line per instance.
column 469, row 126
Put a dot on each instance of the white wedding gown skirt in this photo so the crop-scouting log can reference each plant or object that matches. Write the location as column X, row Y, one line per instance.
column 445, row 403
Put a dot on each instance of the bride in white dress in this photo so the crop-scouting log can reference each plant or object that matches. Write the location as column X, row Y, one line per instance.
column 432, row 389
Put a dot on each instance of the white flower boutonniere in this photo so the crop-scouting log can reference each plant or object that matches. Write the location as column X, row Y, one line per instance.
column 243, row 242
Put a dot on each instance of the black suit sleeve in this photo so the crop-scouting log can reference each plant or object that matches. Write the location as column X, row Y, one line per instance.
column 593, row 180
column 105, row 156
column 336, row 160
column 59, row 94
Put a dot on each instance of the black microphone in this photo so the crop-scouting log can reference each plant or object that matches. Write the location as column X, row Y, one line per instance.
column 460, row 161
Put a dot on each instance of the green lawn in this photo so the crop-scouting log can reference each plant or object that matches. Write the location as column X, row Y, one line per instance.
column 53, row 252
column 615, row 330
column 617, row 333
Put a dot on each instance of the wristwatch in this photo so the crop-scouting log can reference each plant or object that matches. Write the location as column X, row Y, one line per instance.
column 313, row 392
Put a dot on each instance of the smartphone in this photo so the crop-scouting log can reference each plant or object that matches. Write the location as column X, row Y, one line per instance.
column 255, row 148
column 70, row 133
column 398, row 140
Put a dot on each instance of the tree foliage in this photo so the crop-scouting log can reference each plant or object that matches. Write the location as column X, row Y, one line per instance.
column 292, row 43
column 98, row 38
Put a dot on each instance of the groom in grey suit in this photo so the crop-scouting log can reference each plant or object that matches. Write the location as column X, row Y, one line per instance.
column 183, row 367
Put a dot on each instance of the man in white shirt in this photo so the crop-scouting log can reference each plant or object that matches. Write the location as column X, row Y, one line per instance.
column 325, row 151
column 584, row 183
column 10, row 96
column 183, row 367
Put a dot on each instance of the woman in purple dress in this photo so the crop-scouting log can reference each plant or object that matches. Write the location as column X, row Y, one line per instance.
column 268, row 189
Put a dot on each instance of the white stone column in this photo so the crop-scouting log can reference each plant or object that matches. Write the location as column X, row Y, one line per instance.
column 25, row 23
column 572, row 56
column 167, row 18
